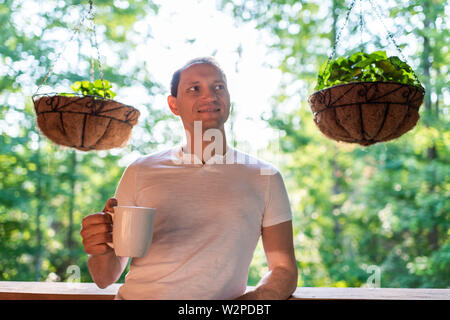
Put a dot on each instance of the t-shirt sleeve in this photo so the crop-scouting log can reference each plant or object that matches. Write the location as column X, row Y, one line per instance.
column 126, row 189
column 278, row 208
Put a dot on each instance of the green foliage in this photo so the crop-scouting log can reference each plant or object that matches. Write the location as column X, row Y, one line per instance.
column 355, row 207
column 96, row 88
column 46, row 190
column 384, row 205
column 360, row 66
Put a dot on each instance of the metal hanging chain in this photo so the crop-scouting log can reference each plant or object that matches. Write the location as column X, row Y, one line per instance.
column 52, row 65
column 338, row 36
column 361, row 24
column 92, row 64
column 91, row 60
column 378, row 11
column 94, row 41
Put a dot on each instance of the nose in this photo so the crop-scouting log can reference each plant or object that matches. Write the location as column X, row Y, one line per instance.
column 209, row 95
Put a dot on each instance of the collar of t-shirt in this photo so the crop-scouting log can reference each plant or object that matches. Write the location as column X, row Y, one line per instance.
column 190, row 158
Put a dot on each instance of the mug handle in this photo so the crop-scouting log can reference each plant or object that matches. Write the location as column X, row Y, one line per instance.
column 112, row 217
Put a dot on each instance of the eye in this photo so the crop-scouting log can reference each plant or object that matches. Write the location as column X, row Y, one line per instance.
column 220, row 87
column 193, row 89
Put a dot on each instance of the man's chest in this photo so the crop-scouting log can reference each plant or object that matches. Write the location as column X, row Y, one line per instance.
column 190, row 199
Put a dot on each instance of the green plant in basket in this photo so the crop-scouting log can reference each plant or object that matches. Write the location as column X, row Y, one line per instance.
column 101, row 88
column 365, row 67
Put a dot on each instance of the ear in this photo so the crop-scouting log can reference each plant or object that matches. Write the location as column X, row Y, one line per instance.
column 172, row 102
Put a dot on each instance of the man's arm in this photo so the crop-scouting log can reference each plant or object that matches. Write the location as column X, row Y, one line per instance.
column 106, row 269
column 281, row 280
column 103, row 264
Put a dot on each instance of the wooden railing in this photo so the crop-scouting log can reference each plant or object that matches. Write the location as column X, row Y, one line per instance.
column 13, row 290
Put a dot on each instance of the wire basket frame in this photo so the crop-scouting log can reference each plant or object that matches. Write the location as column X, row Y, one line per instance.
column 366, row 112
column 84, row 122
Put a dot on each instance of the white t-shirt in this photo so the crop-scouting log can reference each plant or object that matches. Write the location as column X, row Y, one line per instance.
column 207, row 224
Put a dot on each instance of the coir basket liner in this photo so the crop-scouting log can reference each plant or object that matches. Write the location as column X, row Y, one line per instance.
column 366, row 112
column 85, row 122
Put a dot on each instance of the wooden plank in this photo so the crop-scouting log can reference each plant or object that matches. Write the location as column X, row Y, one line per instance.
column 18, row 290
column 28, row 290
column 48, row 296
column 370, row 293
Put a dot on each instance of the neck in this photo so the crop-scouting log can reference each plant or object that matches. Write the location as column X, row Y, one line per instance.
column 205, row 144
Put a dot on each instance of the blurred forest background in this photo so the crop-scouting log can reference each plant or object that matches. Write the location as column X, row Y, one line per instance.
column 354, row 207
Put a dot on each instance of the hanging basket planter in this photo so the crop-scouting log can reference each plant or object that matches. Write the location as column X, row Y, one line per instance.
column 366, row 112
column 366, row 98
column 87, row 119
column 84, row 122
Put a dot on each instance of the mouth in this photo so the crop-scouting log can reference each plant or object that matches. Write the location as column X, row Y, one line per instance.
column 208, row 109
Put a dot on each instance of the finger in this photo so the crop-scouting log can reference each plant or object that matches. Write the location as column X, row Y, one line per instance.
column 98, row 249
column 112, row 202
column 95, row 218
column 108, row 217
column 96, row 239
column 91, row 230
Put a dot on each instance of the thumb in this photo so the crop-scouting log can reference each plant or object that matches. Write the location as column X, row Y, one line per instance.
column 112, row 202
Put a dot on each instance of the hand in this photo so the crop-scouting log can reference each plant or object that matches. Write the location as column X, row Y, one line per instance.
column 96, row 230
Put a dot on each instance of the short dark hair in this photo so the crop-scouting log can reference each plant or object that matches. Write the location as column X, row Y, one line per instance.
column 176, row 75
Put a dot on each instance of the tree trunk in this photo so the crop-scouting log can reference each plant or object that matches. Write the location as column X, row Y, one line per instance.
column 431, row 152
column 433, row 238
column 426, row 64
column 72, row 199
column 335, row 166
column 438, row 95
column 38, row 259
column 335, row 191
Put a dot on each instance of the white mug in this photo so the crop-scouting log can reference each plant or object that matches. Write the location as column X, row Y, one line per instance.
column 132, row 230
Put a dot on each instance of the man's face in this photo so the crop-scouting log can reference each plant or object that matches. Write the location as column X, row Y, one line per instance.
column 202, row 96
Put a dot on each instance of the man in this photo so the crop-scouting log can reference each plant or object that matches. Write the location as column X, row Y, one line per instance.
column 212, row 204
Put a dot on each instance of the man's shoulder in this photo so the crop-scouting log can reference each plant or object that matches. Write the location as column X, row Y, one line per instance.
column 251, row 162
column 156, row 158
